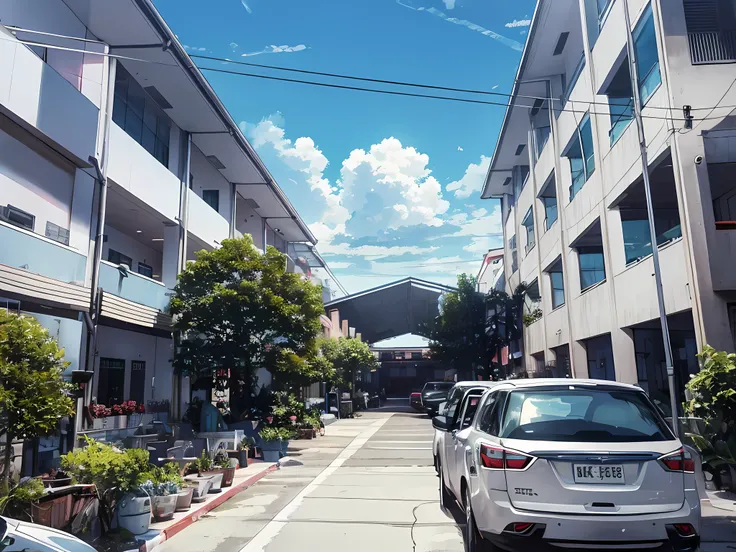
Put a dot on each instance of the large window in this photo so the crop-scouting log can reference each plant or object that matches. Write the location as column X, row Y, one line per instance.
column 115, row 257
column 557, row 284
column 592, row 267
column 647, row 58
column 111, row 381
column 528, row 223
column 581, row 156
column 620, row 101
column 548, row 197
column 138, row 114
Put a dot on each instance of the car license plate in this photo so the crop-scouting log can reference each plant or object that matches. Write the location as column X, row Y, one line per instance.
column 593, row 473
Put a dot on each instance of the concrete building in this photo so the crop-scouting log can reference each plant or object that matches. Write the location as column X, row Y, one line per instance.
column 108, row 86
column 567, row 169
column 491, row 274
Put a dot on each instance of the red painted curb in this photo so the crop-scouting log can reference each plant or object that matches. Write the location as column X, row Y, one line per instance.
column 223, row 497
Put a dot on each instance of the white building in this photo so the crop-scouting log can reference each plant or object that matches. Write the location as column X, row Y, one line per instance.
column 181, row 177
column 569, row 176
column 491, row 274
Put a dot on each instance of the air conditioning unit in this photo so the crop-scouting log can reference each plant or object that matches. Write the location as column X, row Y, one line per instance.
column 17, row 217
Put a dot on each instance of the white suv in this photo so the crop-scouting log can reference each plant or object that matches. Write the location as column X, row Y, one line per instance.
column 550, row 464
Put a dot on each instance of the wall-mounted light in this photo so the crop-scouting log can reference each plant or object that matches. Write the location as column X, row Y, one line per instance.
column 157, row 239
column 139, row 231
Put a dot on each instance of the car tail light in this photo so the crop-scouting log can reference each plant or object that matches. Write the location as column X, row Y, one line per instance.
column 685, row 529
column 678, row 461
column 499, row 458
column 519, row 527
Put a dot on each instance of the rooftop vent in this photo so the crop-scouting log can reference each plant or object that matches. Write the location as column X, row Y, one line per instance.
column 507, row 181
column 158, row 97
column 519, row 149
column 561, row 43
column 215, row 162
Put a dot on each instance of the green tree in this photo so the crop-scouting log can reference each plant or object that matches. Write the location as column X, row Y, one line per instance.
column 33, row 393
column 236, row 309
column 349, row 357
column 472, row 327
column 292, row 371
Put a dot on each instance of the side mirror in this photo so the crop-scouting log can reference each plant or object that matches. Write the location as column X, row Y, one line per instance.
column 441, row 423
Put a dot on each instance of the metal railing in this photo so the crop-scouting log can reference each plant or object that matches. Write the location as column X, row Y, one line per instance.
column 712, row 47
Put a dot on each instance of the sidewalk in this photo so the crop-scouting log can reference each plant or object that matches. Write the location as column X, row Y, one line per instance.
column 244, row 478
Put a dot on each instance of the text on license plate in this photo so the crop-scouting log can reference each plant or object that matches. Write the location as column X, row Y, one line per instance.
column 592, row 473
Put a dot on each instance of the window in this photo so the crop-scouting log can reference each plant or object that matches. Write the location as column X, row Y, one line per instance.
column 57, row 233
column 145, row 270
column 212, row 198
column 528, row 223
column 711, row 30
column 18, row 217
column 548, row 196
column 647, row 58
column 622, row 113
column 137, row 381
column 603, row 9
column 470, row 407
column 139, row 115
column 111, row 381
column 557, row 284
column 600, row 358
column 574, row 78
column 488, row 421
column 117, row 258
column 416, row 356
column 602, row 415
column 592, row 269
column 581, row 156
column 541, row 135
column 453, row 400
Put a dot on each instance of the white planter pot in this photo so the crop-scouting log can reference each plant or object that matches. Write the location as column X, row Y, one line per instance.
column 134, row 513
column 203, row 485
column 163, row 507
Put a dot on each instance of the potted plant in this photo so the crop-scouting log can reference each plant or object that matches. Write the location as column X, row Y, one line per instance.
column 241, row 454
column 21, row 500
column 222, row 461
column 117, row 475
column 271, row 443
column 206, row 468
column 163, row 502
column 170, row 476
column 286, row 435
column 306, row 430
column 200, row 484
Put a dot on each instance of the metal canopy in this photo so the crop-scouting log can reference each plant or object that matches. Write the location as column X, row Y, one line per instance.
column 391, row 310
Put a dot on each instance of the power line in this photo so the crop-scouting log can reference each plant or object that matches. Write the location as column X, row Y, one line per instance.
column 357, row 88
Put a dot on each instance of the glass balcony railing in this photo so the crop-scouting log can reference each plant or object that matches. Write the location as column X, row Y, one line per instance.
column 39, row 255
column 134, row 287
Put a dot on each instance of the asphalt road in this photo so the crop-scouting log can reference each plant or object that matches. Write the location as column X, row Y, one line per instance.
column 368, row 485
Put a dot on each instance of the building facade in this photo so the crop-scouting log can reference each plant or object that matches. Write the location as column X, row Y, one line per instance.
column 567, row 169
column 117, row 163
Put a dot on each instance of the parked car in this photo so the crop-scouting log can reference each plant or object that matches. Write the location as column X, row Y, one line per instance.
column 415, row 401
column 455, row 398
column 17, row 536
column 568, row 463
column 435, row 393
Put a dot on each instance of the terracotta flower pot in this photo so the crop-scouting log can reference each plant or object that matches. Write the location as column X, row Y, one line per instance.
column 228, row 474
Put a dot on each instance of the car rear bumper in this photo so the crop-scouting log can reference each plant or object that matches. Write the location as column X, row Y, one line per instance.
column 559, row 532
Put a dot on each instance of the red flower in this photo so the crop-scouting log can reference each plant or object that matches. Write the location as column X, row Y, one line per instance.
column 141, row 408
column 269, row 419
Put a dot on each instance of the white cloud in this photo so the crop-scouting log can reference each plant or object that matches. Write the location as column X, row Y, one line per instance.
column 494, row 87
column 481, row 224
column 245, row 5
column 449, row 4
column 373, row 252
column 518, row 23
column 472, row 180
column 233, row 45
column 273, row 49
column 459, row 148
column 482, row 244
column 338, row 265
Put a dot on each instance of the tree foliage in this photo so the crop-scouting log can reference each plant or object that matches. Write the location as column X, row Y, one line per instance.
column 472, row 327
column 348, row 357
column 714, row 387
column 33, row 393
column 241, row 310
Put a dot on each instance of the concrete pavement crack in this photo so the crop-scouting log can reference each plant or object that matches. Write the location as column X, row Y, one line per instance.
column 416, row 520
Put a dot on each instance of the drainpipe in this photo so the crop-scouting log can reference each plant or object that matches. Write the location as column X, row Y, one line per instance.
column 92, row 317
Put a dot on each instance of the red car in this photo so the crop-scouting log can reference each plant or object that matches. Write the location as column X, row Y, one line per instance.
column 415, row 401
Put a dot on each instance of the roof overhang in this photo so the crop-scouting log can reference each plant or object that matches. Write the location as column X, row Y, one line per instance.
column 150, row 51
column 394, row 309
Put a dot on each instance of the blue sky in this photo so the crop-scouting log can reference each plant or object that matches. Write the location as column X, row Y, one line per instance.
column 390, row 185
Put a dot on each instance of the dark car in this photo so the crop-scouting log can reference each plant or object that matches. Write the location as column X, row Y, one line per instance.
column 435, row 393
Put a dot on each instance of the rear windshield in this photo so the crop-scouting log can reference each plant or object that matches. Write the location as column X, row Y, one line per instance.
column 438, row 385
column 595, row 415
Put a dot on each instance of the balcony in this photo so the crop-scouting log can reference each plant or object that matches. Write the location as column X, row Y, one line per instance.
column 37, row 95
column 133, row 287
column 38, row 267
column 206, row 223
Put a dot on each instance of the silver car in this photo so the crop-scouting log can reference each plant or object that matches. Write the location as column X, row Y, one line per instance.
column 551, row 464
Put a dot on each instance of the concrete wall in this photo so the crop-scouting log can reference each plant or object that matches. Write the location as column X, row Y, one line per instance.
column 122, row 243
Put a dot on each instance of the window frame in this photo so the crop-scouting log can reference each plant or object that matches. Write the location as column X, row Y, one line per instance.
column 528, row 224
column 586, row 159
column 552, row 273
column 642, row 25
column 146, row 268
column 108, row 360
column 121, row 258
column 472, row 392
column 214, row 197
column 581, row 252
column 499, row 397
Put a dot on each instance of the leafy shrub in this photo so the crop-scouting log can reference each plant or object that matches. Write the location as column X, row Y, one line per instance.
column 270, row 433
column 17, row 501
column 714, row 387
column 204, row 463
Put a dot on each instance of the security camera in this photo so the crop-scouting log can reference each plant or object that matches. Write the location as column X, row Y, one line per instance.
column 698, row 159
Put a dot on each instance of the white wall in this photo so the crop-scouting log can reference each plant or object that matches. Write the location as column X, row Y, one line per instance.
column 41, row 184
column 123, row 243
column 206, row 177
column 154, row 351
column 68, row 333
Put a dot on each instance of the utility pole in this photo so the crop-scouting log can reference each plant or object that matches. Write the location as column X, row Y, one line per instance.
column 633, row 75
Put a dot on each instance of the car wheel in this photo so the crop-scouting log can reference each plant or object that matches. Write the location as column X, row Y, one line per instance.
column 472, row 538
column 446, row 498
